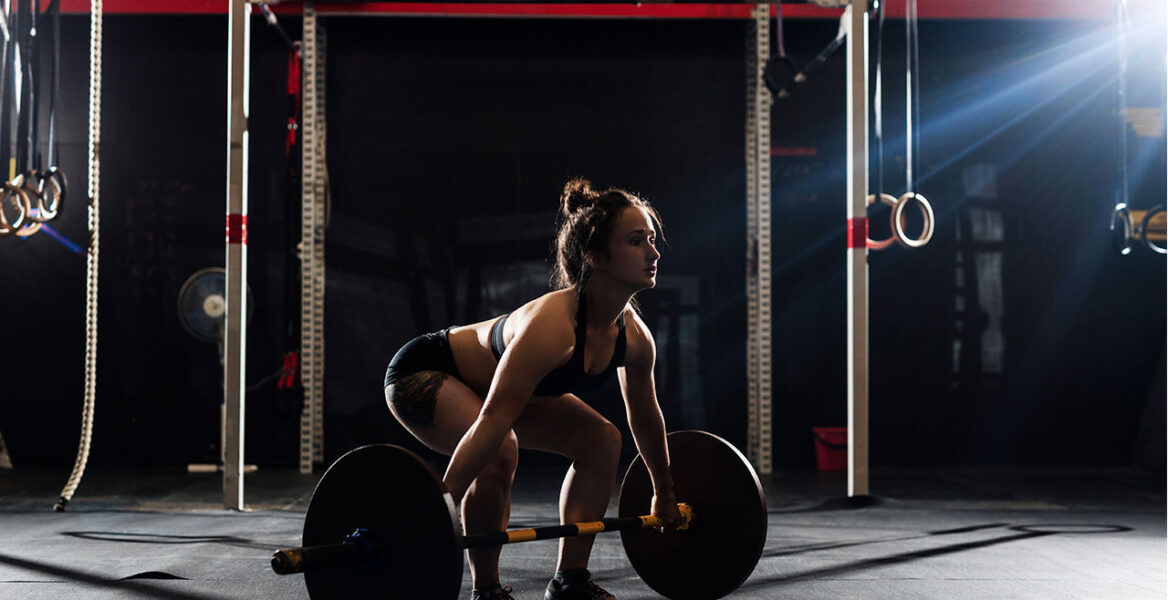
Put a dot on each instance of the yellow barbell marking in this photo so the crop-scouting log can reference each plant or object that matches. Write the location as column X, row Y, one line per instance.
column 687, row 512
column 590, row 527
column 593, row 527
column 521, row 535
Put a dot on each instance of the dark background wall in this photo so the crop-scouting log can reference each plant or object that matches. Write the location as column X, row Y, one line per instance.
column 1016, row 336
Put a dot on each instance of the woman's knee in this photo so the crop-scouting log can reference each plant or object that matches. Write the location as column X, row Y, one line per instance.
column 601, row 443
column 611, row 439
column 506, row 458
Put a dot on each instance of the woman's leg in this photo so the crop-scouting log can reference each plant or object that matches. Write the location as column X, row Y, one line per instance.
column 438, row 409
column 569, row 427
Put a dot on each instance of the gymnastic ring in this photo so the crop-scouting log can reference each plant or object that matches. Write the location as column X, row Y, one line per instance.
column 51, row 188
column 1122, row 234
column 28, row 181
column 780, row 80
column 1159, row 208
column 898, row 220
column 34, row 222
column 18, row 198
column 890, row 200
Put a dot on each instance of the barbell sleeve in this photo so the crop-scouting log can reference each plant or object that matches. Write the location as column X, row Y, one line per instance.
column 287, row 561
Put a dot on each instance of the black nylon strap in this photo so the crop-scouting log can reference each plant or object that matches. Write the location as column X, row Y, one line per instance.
column 912, row 65
column 32, row 158
column 54, row 11
column 11, row 125
column 5, row 70
column 21, row 23
column 880, row 104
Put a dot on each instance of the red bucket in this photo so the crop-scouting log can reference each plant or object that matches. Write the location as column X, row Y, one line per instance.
column 831, row 448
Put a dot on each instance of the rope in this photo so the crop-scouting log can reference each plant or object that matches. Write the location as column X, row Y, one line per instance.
column 91, row 258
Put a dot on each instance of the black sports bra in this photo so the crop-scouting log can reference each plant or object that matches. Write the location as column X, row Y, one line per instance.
column 571, row 378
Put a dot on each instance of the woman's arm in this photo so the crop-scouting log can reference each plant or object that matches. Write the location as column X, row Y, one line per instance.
column 537, row 348
column 645, row 419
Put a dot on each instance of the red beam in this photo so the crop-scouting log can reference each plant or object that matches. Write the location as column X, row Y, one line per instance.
column 1008, row 9
column 625, row 11
column 927, row 9
column 183, row 7
column 454, row 9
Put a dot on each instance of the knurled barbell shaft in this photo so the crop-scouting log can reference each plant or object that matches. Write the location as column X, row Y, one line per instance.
column 287, row 561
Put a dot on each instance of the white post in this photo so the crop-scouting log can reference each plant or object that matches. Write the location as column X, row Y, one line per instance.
column 235, row 330
column 857, row 252
column 312, row 224
column 758, row 246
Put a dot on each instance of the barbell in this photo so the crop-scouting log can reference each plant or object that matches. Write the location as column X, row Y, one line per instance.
column 381, row 520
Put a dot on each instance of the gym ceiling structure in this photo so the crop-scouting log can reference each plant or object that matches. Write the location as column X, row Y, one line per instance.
column 910, row 320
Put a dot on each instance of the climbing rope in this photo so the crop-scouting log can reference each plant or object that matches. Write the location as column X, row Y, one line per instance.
column 91, row 257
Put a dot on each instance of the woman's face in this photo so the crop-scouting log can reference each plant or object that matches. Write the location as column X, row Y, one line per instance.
column 632, row 249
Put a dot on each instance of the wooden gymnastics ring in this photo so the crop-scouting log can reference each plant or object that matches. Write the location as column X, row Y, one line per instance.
column 1144, row 225
column 381, row 517
column 898, row 220
column 890, row 200
column 51, row 189
column 1121, row 228
column 11, row 195
column 30, row 183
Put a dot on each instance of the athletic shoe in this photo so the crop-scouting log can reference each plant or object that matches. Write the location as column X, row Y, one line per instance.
column 575, row 585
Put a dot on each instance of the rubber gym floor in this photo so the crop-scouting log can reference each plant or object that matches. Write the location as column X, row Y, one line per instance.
column 953, row 534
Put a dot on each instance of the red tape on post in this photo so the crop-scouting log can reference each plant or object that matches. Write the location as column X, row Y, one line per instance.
column 237, row 229
column 858, row 232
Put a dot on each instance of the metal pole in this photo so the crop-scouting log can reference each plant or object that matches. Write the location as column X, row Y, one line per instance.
column 235, row 330
column 857, row 252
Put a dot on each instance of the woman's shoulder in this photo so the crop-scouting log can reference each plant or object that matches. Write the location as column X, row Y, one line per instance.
column 634, row 324
column 639, row 339
column 554, row 312
column 556, row 304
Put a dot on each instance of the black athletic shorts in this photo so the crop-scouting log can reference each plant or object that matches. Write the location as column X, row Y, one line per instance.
column 428, row 352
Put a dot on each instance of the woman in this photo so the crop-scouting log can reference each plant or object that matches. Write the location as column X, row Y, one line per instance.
column 480, row 392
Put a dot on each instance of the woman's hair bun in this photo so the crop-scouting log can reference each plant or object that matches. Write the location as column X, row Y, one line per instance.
column 577, row 194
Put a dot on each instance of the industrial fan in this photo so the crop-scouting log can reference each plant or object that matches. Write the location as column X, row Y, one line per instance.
column 202, row 305
column 202, row 310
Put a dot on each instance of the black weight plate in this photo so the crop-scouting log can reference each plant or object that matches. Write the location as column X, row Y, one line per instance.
column 725, row 540
column 395, row 494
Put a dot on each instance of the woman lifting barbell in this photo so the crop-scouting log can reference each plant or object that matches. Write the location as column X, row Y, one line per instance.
column 480, row 392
